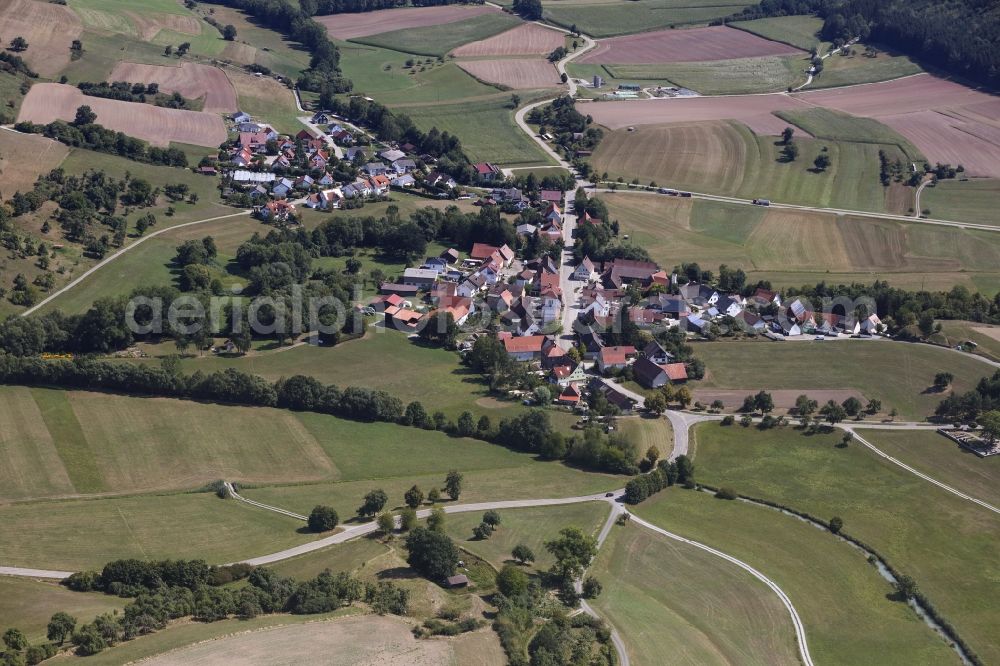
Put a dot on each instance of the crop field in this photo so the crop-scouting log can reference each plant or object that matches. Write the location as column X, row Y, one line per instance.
column 526, row 39
column 516, row 73
column 28, row 604
column 693, row 45
column 670, row 598
column 607, row 18
column 835, row 126
column 970, row 201
column 727, row 158
column 802, row 32
column 382, row 74
column 368, row 639
column 390, row 20
column 192, row 80
column 439, row 39
column 47, row 102
column 256, row 44
column 948, row 122
column 897, row 374
column 745, row 76
column 503, row 144
column 74, row 534
column 755, row 111
column 947, row 549
column 843, row 601
column 24, row 157
column 531, row 527
column 48, row 28
column 266, row 99
column 848, row 70
column 944, row 460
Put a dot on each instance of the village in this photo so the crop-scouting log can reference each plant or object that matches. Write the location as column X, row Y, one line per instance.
column 556, row 319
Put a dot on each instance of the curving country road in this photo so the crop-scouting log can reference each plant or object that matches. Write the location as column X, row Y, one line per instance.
column 107, row 260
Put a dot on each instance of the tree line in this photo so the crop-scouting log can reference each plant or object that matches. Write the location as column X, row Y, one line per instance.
column 142, row 93
column 322, row 7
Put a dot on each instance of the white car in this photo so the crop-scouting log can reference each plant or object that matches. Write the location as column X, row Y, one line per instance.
column 819, row 338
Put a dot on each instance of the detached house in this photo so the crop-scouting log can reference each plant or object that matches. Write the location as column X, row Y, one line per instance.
column 653, row 375
column 615, row 358
column 487, row 171
column 526, row 347
column 584, row 271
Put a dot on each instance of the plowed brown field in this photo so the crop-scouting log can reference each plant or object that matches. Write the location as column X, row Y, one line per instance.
column 47, row 102
column 349, row 26
column 24, row 157
column 514, row 73
column 192, row 80
column 48, row 28
column 694, row 45
column 527, row 39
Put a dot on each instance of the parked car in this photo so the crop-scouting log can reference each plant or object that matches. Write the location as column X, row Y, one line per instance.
column 761, row 202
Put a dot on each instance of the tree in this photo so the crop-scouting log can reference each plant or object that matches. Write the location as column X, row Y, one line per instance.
column 822, row 162
column 990, row 423
column 573, row 550
column 786, row 135
column 61, row 626
column 512, row 582
column 466, row 426
column 407, row 519
column 873, row 407
column 492, row 518
column 906, row 587
column 515, row 101
column 522, row 554
column 685, row 469
column 836, row 524
column 683, row 396
column 833, row 413
column 435, row 521
column 168, row 50
column 386, row 522
column 656, row 404
column 431, row 554
column 353, row 265
column 323, row 519
column 852, row 406
column 893, row 413
column 374, row 502
column 19, row 44
column 453, row 484
column 805, row 406
column 15, row 639
column 482, row 531
column 591, row 587
column 84, row 116
column 434, row 496
column 229, row 33
column 414, row 497
column 790, row 152
column 183, row 48
column 943, row 380
column 763, row 402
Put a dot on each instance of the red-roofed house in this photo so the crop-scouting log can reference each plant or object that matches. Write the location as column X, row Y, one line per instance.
column 525, row 348
column 487, row 171
column 569, row 396
column 652, row 375
column 615, row 358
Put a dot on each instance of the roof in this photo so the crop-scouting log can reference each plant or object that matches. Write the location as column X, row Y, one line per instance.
column 420, row 273
column 526, row 343
column 484, row 168
column 676, row 371
column 460, row 579
column 645, row 371
column 482, row 251
column 616, row 355
column 551, row 195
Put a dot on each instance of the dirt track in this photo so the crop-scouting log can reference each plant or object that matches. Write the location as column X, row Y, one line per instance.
column 692, row 45
column 47, row 102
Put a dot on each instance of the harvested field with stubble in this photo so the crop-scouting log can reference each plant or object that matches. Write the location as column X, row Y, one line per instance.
column 527, row 39
column 519, row 74
column 192, row 80
column 24, row 157
column 349, row 26
column 694, row 45
column 47, row 102
column 49, row 29
column 755, row 111
column 149, row 24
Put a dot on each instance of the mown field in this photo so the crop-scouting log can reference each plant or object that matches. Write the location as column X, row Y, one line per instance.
column 897, row 374
column 798, row 31
column 721, row 77
column 836, row 126
column 940, row 458
column 603, row 18
column 843, row 601
column 945, row 543
column 728, row 158
column 966, row 200
column 670, row 598
column 486, row 128
column 957, row 332
column 438, row 40
column 531, row 527
column 796, row 248
column 28, row 604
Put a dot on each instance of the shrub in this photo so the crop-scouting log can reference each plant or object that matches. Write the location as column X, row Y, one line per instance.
column 323, row 519
column 726, row 493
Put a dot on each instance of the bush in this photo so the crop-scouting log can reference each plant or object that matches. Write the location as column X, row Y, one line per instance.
column 726, row 493
column 728, row 420
column 323, row 519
